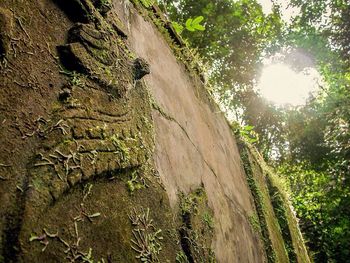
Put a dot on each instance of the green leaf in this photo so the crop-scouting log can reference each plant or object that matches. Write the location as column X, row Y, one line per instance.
column 190, row 29
column 197, row 20
column 147, row 3
column 178, row 28
column 189, row 24
column 248, row 128
column 199, row 27
column 194, row 24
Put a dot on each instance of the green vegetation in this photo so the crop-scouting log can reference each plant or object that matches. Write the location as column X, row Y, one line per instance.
column 147, row 240
column 196, row 229
column 254, row 222
column 279, row 205
column 259, row 203
column 189, row 204
column 235, row 33
column 192, row 24
column 245, row 133
column 208, row 220
column 147, row 3
column 308, row 145
column 71, row 250
column 135, row 183
column 181, row 258
column 271, row 198
column 121, row 149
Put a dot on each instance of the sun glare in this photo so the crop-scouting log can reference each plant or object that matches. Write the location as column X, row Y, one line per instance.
column 282, row 85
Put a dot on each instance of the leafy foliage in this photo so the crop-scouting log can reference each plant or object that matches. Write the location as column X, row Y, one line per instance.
column 148, row 3
column 181, row 257
column 246, row 133
column 236, row 33
column 323, row 204
column 178, row 27
column 318, row 134
column 192, row 25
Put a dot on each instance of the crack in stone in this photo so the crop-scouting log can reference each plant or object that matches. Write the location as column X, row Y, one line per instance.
column 167, row 116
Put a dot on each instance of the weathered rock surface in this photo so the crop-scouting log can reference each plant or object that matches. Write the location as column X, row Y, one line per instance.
column 111, row 150
column 6, row 24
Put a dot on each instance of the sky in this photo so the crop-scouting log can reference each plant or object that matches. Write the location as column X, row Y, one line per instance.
column 282, row 85
column 287, row 12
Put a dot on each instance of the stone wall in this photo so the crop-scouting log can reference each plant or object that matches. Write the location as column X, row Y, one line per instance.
column 112, row 148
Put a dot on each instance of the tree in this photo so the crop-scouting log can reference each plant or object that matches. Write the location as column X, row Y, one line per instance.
column 318, row 134
column 236, row 35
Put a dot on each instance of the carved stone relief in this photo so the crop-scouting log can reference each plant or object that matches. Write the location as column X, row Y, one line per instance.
column 102, row 121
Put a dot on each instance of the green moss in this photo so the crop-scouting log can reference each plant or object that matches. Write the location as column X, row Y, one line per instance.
column 38, row 183
column 135, row 183
column 270, row 195
column 196, row 228
column 56, row 106
column 208, row 220
column 278, row 204
column 147, row 239
column 75, row 79
column 279, row 193
column 254, row 222
column 181, row 257
column 259, row 203
column 121, row 148
column 99, row 132
column 189, row 204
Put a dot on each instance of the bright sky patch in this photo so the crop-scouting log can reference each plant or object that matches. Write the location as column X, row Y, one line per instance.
column 288, row 12
column 282, row 85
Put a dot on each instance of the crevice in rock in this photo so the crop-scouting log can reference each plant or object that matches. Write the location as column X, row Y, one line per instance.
column 13, row 225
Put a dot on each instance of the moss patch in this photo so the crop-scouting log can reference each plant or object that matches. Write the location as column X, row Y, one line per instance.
column 280, row 212
column 272, row 203
column 196, row 228
column 279, row 193
column 270, row 230
column 257, row 196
